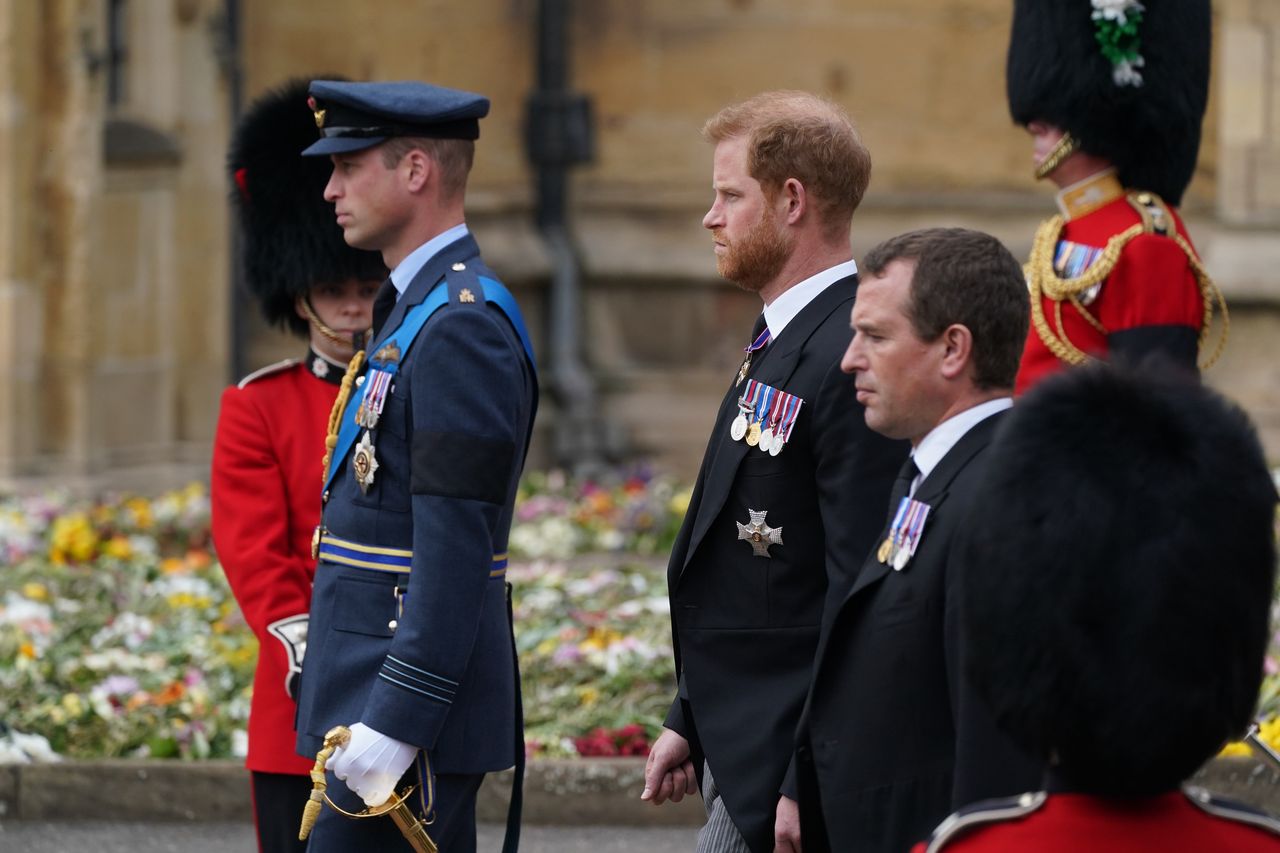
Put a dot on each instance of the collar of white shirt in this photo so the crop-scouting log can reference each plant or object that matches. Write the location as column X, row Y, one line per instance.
column 939, row 441
column 413, row 263
column 783, row 310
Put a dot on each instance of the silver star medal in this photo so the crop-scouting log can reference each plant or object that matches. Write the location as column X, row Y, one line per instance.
column 759, row 534
column 364, row 463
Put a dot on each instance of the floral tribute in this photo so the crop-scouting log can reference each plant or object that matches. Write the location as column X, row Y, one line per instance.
column 120, row 638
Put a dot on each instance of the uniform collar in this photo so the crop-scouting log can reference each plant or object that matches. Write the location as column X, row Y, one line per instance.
column 939, row 440
column 402, row 276
column 783, row 310
column 1094, row 192
column 323, row 367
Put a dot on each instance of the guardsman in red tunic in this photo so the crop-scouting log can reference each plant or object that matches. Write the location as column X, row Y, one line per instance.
column 268, row 451
column 1116, row 594
column 1113, row 94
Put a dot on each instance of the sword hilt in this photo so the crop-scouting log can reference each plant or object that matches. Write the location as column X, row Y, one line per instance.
column 397, row 808
column 336, row 737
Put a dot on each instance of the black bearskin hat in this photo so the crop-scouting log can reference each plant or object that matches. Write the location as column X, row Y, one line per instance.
column 1057, row 73
column 1117, row 577
column 290, row 239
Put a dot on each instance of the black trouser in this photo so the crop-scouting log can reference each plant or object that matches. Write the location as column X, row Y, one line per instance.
column 278, row 800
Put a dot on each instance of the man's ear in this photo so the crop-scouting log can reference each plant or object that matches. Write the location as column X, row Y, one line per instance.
column 795, row 198
column 957, row 354
column 419, row 169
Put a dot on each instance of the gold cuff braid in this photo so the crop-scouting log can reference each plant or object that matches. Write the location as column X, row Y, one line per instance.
column 1043, row 280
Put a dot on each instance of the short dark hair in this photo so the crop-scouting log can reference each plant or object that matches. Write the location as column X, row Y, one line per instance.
column 1116, row 576
column 453, row 156
column 965, row 277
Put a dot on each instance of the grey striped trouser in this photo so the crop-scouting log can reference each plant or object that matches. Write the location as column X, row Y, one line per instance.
column 718, row 835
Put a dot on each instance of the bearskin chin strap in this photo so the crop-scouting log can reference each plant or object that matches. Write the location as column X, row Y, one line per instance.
column 355, row 341
column 1065, row 148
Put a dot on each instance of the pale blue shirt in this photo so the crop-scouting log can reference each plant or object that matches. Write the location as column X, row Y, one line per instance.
column 939, row 440
column 413, row 263
column 783, row 310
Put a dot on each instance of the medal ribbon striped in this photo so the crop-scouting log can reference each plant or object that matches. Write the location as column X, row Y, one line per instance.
column 1071, row 260
column 790, row 414
column 759, row 343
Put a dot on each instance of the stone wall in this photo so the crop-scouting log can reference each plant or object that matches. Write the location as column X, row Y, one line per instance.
column 115, row 319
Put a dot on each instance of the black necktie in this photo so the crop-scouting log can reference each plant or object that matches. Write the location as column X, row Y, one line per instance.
column 757, row 328
column 901, row 486
column 383, row 303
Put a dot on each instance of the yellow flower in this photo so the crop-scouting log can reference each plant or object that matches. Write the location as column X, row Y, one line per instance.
column 28, row 651
column 173, row 565
column 546, row 647
column 679, row 503
column 1269, row 731
column 588, row 695
column 118, row 547
column 72, row 539
column 139, row 510
column 1236, row 748
column 73, row 704
column 599, row 639
column 35, row 591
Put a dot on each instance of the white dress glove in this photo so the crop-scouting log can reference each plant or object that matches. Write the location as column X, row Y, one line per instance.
column 371, row 763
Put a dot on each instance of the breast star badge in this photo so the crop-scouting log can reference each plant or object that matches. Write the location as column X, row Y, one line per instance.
column 759, row 534
column 364, row 463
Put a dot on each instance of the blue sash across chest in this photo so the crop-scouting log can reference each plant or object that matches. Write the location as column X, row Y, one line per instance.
column 403, row 337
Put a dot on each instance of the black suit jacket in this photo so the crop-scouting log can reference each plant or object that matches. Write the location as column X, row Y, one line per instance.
column 746, row 628
column 892, row 739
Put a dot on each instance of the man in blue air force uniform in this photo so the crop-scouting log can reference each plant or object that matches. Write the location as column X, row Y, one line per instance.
column 410, row 641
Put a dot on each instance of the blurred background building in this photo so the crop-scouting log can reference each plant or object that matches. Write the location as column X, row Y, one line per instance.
column 119, row 321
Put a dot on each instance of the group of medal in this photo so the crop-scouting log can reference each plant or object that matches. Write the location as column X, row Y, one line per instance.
column 364, row 461
column 766, row 417
column 904, row 534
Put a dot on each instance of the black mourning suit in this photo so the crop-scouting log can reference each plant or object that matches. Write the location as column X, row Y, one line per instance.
column 892, row 739
column 746, row 627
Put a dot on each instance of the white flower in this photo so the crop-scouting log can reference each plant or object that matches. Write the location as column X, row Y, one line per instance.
column 1125, row 73
column 1115, row 10
column 19, row 748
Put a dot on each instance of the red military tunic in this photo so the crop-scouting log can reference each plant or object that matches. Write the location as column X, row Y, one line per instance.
column 1174, row 822
column 265, row 494
column 1152, row 283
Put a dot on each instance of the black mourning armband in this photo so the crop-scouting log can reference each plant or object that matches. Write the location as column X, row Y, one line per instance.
column 461, row 465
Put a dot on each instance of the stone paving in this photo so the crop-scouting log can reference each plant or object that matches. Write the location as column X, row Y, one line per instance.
column 219, row 837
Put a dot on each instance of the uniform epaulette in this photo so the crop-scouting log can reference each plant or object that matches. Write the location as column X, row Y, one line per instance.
column 463, row 281
column 1231, row 810
column 267, row 371
column 982, row 814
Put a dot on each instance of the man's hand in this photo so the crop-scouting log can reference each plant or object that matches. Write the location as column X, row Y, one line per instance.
column 668, row 774
column 786, row 827
column 371, row 763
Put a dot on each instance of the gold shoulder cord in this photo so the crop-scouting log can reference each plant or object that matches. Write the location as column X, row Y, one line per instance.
column 1043, row 280
column 335, row 414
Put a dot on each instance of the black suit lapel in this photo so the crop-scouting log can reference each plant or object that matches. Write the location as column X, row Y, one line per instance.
column 775, row 367
column 458, row 251
column 933, row 491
